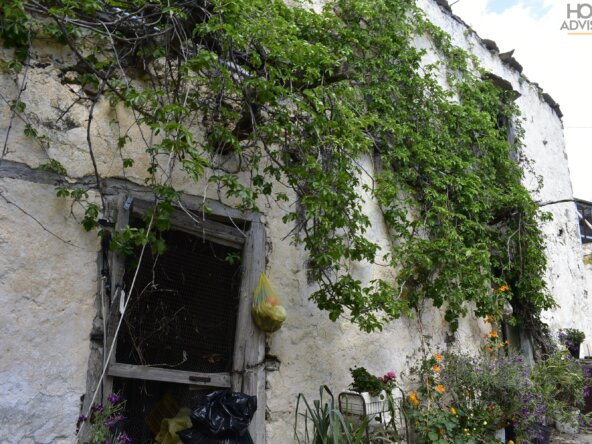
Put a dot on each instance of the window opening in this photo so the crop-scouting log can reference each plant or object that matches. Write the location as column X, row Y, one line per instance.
column 585, row 220
column 182, row 313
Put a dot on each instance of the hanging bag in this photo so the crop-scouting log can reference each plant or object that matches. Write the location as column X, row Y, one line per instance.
column 267, row 311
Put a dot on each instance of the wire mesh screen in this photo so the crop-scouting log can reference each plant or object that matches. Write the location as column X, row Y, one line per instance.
column 149, row 402
column 182, row 312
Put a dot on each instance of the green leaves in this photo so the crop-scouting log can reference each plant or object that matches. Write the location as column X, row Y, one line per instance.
column 336, row 108
column 91, row 216
column 15, row 29
column 52, row 165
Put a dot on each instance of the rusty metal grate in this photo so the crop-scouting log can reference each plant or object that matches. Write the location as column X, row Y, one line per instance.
column 183, row 310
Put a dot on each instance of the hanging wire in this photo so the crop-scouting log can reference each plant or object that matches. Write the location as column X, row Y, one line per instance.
column 112, row 347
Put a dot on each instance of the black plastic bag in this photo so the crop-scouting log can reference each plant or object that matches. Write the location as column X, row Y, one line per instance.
column 223, row 419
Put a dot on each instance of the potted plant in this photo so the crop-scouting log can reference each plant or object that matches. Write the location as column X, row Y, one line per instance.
column 369, row 394
column 324, row 423
column 560, row 380
column 366, row 382
column 572, row 338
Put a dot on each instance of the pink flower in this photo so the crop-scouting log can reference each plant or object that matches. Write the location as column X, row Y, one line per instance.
column 392, row 375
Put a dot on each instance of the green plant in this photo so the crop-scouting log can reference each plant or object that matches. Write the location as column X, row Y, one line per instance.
column 571, row 336
column 561, row 381
column 296, row 99
column 104, row 422
column 366, row 382
column 465, row 398
column 505, row 385
column 323, row 423
column 448, row 406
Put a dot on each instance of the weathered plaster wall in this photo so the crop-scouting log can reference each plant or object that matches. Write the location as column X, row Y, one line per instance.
column 545, row 147
column 314, row 351
column 48, row 288
column 48, row 269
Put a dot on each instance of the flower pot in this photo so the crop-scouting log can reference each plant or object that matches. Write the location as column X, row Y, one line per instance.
column 500, row 435
column 568, row 422
column 362, row 404
column 574, row 350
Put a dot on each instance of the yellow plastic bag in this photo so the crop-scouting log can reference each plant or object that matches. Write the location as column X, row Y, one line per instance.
column 267, row 311
column 170, row 426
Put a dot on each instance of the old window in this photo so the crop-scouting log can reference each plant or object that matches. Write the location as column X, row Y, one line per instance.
column 187, row 328
column 584, row 210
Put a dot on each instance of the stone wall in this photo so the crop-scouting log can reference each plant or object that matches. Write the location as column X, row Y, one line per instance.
column 545, row 146
column 48, row 270
column 48, row 265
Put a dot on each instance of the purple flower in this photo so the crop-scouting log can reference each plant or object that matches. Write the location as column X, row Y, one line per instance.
column 113, row 420
column 124, row 439
column 82, row 418
column 98, row 408
column 114, row 398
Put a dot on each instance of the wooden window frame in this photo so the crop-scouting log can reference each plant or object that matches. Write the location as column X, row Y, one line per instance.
column 248, row 367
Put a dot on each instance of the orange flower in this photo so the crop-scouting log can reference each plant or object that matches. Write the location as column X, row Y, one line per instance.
column 413, row 399
column 440, row 388
column 453, row 410
column 438, row 357
column 489, row 349
column 493, row 334
column 489, row 319
column 436, row 368
column 504, row 289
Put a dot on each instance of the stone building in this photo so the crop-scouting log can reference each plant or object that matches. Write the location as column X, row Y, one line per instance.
column 54, row 283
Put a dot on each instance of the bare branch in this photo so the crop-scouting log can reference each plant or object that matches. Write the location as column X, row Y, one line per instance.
column 16, row 102
column 25, row 212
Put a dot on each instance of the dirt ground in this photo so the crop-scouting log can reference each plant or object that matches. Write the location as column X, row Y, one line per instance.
column 561, row 438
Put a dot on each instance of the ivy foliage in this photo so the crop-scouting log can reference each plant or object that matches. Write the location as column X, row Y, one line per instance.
column 339, row 106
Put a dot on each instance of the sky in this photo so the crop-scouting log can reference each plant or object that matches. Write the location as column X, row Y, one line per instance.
column 559, row 62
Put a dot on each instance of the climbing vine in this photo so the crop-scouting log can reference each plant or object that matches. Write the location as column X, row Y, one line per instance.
column 265, row 100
